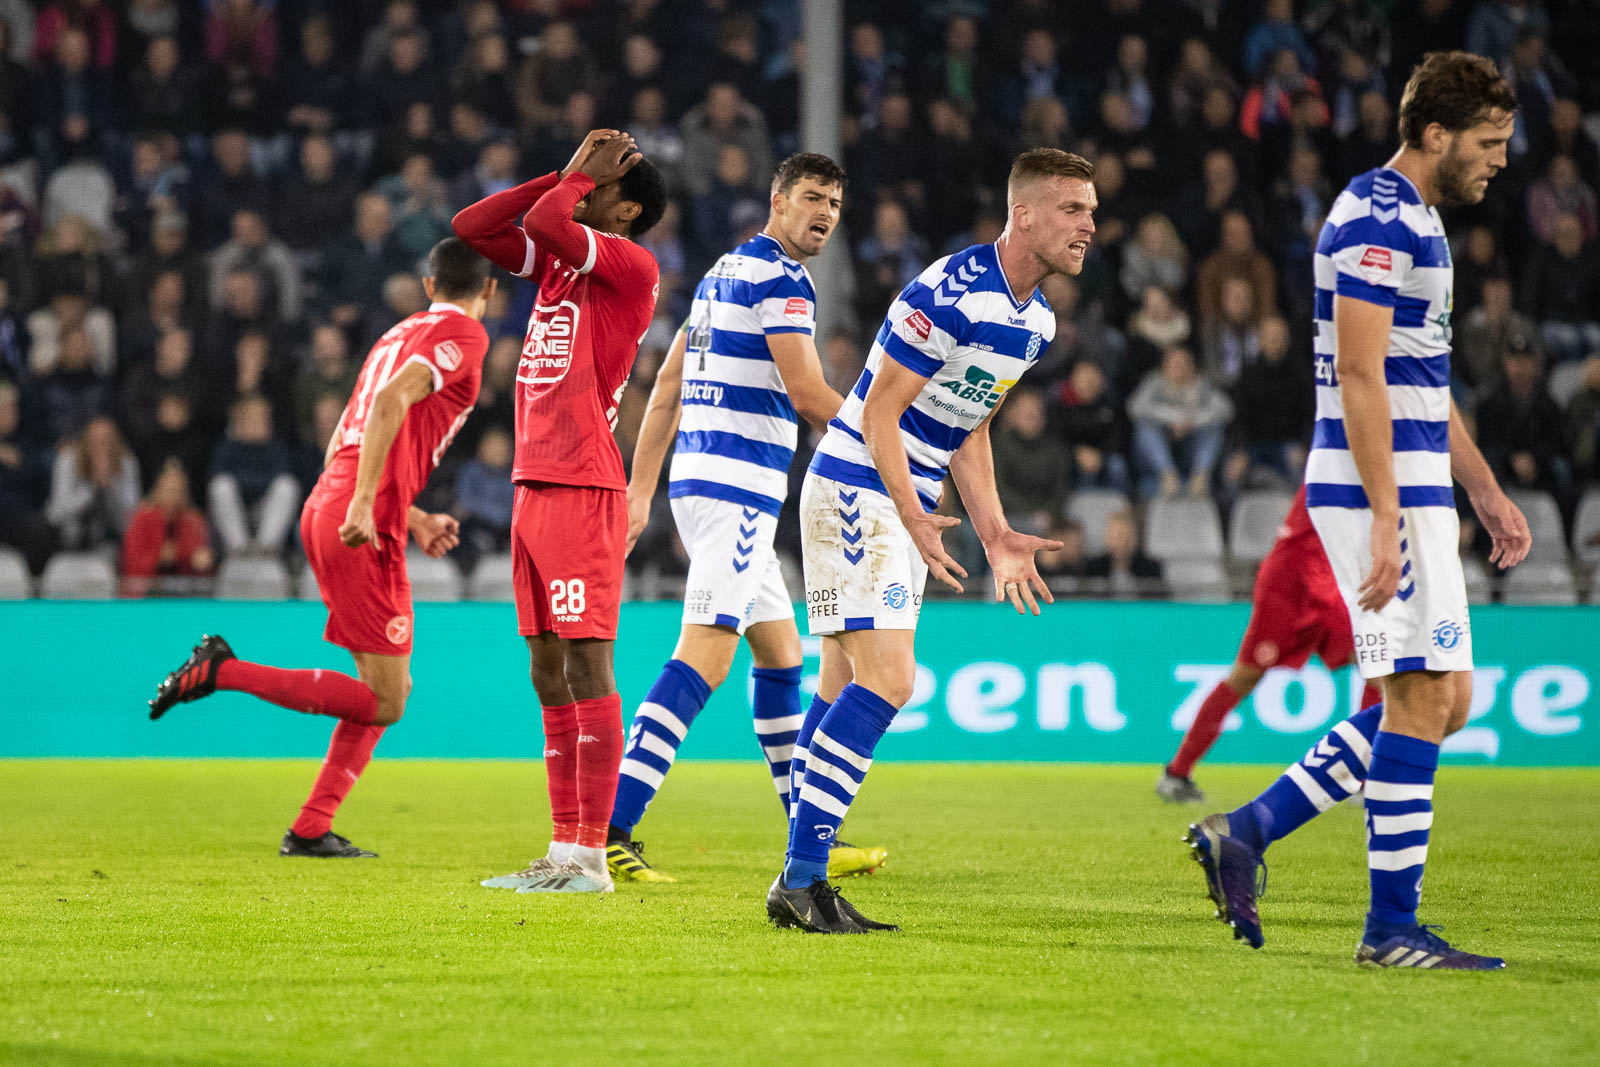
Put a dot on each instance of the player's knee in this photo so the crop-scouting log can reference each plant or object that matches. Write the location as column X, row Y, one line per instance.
column 896, row 689
column 392, row 703
column 714, row 674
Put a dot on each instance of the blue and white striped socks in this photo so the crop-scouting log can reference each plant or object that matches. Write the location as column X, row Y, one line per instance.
column 802, row 745
column 837, row 760
column 1331, row 770
column 776, row 705
column 1399, row 816
column 659, row 727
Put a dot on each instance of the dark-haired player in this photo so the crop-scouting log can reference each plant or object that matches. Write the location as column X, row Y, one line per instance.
column 1387, row 444
column 414, row 391
column 727, row 400
column 597, row 292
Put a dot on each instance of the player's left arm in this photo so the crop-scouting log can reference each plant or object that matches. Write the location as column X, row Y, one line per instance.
column 1010, row 553
column 1503, row 519
column 389, row 407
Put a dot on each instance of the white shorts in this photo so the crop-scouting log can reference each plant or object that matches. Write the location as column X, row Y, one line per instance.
column 734, row 578
column 1425, row 626
column 862, row 570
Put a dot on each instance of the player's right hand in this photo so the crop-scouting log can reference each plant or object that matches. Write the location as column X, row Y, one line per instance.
column 638, row 519
column 927, row 533
column 359, row 527
column 1384, row 578
column 591, row 140
column 612, row 159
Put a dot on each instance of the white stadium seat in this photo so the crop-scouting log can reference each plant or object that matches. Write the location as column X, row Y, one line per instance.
column 14, row 581
column 1181, row 528
column 491, row 578
column 1196, row 580
column 1544, row 523
column 1540, row 583
column 78, row 576
column 1253, row 526
column 252, row 578
column 1091, row 507
column 1586, row 529
column 432, row 579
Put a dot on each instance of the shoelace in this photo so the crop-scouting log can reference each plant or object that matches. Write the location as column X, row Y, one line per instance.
column 1430, row 935
column 1261, row 878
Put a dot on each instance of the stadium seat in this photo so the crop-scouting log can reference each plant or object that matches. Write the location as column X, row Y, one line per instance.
column 491, row 578
column 1565, row 381
column 1196, row 580
column 306, row 584
column 1539, row 582
column 1586, row 529
column 14, row 581
column 432, row 579
column 1544, row 523
column 1253, row 526
column 1480, row 586
column 1090, row 507
column 1180, row 528
column 78, row 576
column 252, row 578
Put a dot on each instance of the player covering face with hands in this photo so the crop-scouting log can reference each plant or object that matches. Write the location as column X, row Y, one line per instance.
column 596, row 294
column 415, row 389
column 953, row 343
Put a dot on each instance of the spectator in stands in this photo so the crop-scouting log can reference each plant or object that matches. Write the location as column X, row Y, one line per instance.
column 167, row 537
column 24, row 481
column 232, row 187
column 1273, row 407
column 316, row 199
column 320, row 93
column 68, row 310
column 724, row 117
column 1276, row 32
column 168, row 251
column 734, row 205
column 163, row 94
column 888, row 259
column 403, row 79
column 253, row 249
column 494, row 172
column 73, row 392
column 1039, row 75
column 1561, row 292
column 1565, row 136
column 1235, row 257
column 1155, row 257
column 327, row 371
column 483, row 499
column 892, row 156
column 1371, row 142
column 1520, row 425
column 259, row 368
column 657, row 135
column 1478, row 257
column 1561, row 191
column 1032, row 467
column 1485, row 332
column 1061, row 567
column 1178, row 420
column 71, row 257
column 1123, row 564
column 253, row 492
column 13, row 338
column 356, row 264
column 241, row 309
column 174, row 437
column 1160, row 323
column 94, row 488
column 1233, row 342
column 170, row 370
column 958, row 72
column 1583, row 424
column 1093, row 430
column 419, row 203
column 157, row 183
column 72, row 104
column 559, row 66
column 92, row 18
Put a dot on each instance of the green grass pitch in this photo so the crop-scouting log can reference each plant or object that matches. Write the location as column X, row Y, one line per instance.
column 1050, row 914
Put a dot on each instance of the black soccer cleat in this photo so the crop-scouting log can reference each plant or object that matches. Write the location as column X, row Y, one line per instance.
column 851, row 912
column 814, row 909
column 195, row 679
column 330, row 846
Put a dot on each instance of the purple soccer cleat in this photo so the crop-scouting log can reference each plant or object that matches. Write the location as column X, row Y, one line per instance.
column 1421, row 947
column 1236, row 875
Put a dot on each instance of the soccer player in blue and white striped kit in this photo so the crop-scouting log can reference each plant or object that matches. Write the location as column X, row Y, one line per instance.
column 1387, row 441
column 727, row 398
column 953, row 343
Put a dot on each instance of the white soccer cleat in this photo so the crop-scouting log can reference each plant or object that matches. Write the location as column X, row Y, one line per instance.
column 570, row 877
column 536, row 872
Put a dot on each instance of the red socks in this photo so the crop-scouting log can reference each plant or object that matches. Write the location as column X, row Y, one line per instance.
column 599, row 757
column 348, row 755
column 561, row 770
column 315, row 691
column 1205, row 729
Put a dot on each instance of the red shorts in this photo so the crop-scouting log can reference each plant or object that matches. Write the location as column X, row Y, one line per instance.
column 1297, row 610
column 567, row 546
column 366, row 589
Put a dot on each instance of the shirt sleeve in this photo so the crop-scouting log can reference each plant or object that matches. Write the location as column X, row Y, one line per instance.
column 490, row 225
column 1372, row 258
column 921, row 334
column 452, row 351
column 789, row 305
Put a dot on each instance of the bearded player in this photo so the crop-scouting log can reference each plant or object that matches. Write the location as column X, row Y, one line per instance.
column 1387, row 444
column 597, row 292
column 1296, row 610
column 739, row 374
column 415, row 389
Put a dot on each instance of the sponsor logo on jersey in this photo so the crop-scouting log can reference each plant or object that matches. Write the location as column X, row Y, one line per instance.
column 979, row 386
column 702, row 391
column 547, row 353
column 447, row 354
column 398, row 630
column 1447, row 635
column 797, row 310
column 918, row 326
column 1376, row 263
column 896, row 597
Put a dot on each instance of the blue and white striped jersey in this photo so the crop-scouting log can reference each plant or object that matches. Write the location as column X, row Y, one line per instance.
column 958, row 325
column 736, row 437
column 1382, row 244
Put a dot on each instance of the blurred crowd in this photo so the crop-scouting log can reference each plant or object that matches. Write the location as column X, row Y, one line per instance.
column 209, row 210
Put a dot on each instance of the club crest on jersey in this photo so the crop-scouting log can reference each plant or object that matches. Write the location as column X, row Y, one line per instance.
column 797, row 310
column 1035, row 340
column 1376, row 263
column 447, row 354
column 547, row 353
column 918, row 326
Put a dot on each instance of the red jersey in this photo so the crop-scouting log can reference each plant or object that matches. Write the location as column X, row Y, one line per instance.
column 451, row 344
column 597, row 293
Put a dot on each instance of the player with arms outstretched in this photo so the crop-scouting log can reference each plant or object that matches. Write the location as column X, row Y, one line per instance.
column 597, row 292
column 1295, row 610
column 954, row 341
column 415, row 389
column 726, row 400
column 1387, row 442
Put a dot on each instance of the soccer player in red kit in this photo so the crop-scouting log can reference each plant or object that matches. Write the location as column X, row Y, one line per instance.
column 416, row 388
column 1296, row 610
column 597, row 293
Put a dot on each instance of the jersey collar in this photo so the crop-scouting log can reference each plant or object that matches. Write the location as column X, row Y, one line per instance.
column 445, row 305
column 1005, row 283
